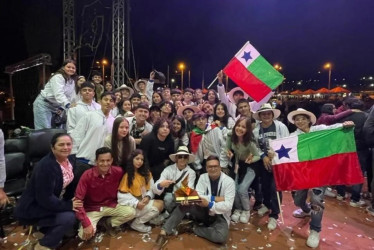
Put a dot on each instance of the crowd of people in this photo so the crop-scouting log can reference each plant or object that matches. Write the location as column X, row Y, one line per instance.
column 126, row 152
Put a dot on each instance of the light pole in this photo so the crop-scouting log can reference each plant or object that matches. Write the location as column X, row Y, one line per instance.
column 328, row 66
column 181, row 67
column 104, row 62
column 278, row 67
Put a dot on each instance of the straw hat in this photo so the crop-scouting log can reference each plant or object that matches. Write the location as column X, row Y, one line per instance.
column 267, row 107
column 182, row 150
column 183, row 108
column 124, row 86
column 231, row 94
column 301, row 111
column 136, row 84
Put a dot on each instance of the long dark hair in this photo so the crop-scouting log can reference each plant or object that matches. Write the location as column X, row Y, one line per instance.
column 248, row 136
column 159, row 123
column 158, row 93
column 224, row 119
column 181, row 132
column 215, row 94
column 130, row 169
column 126, row 147
column 120, row 104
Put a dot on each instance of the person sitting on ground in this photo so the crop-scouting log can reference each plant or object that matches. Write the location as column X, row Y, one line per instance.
column 216, row 191
column 48, row 199
column 97, row 188
column 172, row 176
column 135, row 190
column 85, row 104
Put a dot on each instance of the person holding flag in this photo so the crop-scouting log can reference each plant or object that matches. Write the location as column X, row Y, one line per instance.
column 303, row 121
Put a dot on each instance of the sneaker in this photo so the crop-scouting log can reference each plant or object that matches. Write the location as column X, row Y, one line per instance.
column 330, row 193
column 161, row 241
column 244, row 216
column 157, row 221
column 341, row 198
column 257, row 205
column 313, row 239
column 262, row 211
column 299, row 213
column 235, row 216
column 185, row 226
column 370, row 210
column 359, row 203
column 40, row 247
column 140, row 227
column 272, row 224
column 112, row 231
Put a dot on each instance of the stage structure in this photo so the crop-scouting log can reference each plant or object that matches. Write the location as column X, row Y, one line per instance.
column 68, row 29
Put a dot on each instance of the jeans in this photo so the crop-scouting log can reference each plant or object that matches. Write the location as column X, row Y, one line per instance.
column 241, row 201
column 364, row 158
column 270, row 193
column 55, row 227
column 316, row 205
column 169, row 202
column 215, row 228
column 42, row 113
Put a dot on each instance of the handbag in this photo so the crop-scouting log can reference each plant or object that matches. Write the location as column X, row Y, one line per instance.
column 58, row 118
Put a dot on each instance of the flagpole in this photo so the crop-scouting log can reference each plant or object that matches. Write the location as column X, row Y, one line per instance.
column 212, row 82
column 280, row 209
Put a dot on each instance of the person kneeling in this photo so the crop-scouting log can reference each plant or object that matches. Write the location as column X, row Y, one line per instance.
column 217, row 192
column 97, row 188
column 135, row 190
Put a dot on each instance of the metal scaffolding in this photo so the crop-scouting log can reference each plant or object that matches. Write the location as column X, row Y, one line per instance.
column 120, row 41
column 68, row 29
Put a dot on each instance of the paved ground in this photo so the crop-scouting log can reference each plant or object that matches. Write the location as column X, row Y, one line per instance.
column 344, row 227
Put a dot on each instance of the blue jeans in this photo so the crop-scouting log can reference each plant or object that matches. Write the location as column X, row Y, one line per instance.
column 269, row 192
column 55, row 227
column 42, row 113
column 241, row 201
column 316, row 205
column 364, row 158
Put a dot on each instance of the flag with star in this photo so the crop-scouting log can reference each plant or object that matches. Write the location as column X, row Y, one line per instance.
column 250, row 71
column 316, row 159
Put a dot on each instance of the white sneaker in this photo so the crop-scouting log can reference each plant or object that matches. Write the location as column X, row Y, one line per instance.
column 157, row 221
column 359, row 203
column 272, row 224
column 262, row 211
column 313, row 239
column 299, row 213
column 244, row 216
column 140, row 227
column 329, row 193
column 235, row 216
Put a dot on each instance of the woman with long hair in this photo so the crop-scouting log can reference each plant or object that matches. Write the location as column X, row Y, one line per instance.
column 57, row 95
column 222, row 118
column 212, row 97
column 135, row 190
column 242, row 142
column 157, row 98
column 124, row 108
column 178, row 132
column 121, row 143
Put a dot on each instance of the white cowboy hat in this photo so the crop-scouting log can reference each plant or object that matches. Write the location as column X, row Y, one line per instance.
column 266, row 107
column 182, row 150
column 137, row 83
column 231, row 94
column 301, row 111
column 124, row 86
column 183, row 108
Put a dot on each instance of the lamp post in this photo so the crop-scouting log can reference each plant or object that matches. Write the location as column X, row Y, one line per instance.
column 181, row 67
column 278, row 67
column 328, row 66
column 104, row 62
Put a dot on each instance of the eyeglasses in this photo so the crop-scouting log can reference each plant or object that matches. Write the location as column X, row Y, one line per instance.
column 182, row 156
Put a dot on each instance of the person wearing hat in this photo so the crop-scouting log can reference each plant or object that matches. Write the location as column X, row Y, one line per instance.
column 304, row 121
column 187, row 112
column 126, row 91
column 268, row 128
column 87, row 103
column 172, row 176
column 146, row 88
column 97, row 80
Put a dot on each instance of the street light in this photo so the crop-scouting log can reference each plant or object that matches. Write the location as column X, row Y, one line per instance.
column 181, row 66
column 328, row 66
column 104, row 62
column 278, row 67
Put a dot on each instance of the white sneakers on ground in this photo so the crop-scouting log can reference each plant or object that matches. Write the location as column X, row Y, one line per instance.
column 359, row 203
column 244, row 216
column 272, row 224
column 313, row 239
column 235, row 216
column 262, row 211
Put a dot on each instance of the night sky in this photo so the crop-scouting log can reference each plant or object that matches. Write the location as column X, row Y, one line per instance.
column 301, row 35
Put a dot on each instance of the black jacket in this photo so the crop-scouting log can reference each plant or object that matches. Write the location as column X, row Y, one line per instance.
column 369, row 129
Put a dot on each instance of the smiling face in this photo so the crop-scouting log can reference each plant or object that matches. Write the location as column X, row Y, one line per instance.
column 187, row 114
column 156, row 98
column 106, row 104
column 166, row 108
column 104, row 162
column 302, row 122
column 141, row 86
column 181, row 161
column 141, row 115
column 240, row 129
column 138, row 161
column 213, row 169
column 69, row 69
column 118, row 96
column 220, row 111
column 177, row 126
column 80, row 81
column 126, row 105
column 108, row 87
column 244, row 109
column 62, row 148
column 97, row 79
column 266, row 117
column 125, row 93
column 207, row 109
column 135, row 101
column 123, row 129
